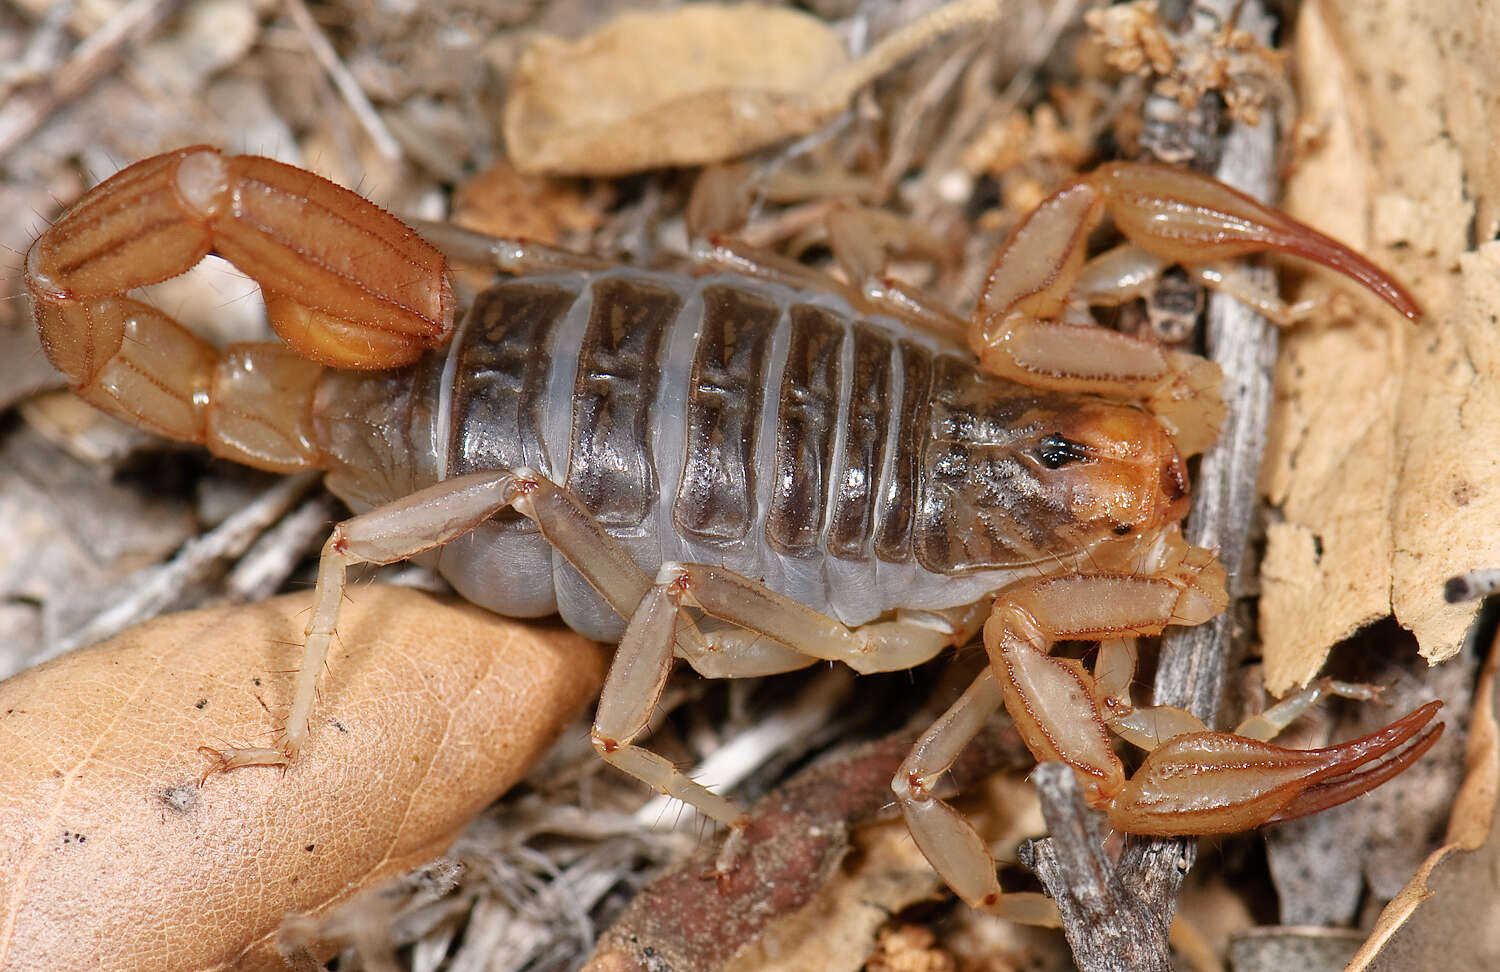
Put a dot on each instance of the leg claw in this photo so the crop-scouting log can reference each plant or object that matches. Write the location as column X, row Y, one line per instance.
column 223, row 760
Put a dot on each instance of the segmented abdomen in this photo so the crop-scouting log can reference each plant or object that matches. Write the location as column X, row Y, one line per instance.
column 718, row 420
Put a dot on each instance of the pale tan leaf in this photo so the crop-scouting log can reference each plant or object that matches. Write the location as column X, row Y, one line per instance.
column 115, row 856
column 1447, row 908
column 701, row 83
column 1373, row 461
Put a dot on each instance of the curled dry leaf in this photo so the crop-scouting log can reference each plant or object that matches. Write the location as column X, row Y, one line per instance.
column 1447, row 908
column 1372, row 461
column 117, row 856
column 503, row 202
column 698, row 84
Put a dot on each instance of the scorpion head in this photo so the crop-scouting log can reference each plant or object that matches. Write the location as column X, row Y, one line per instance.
column 1048, row 479
column 1111, row 467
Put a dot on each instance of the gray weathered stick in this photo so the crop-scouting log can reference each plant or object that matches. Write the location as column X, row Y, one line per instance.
column 1119, row 918
column 1109, row 925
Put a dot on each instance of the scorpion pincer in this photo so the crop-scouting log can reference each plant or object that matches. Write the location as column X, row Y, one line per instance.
column 734, row 471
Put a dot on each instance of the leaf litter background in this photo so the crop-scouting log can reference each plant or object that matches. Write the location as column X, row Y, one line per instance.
column 1380, row 475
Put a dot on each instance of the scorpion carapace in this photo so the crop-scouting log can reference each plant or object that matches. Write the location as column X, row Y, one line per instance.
column 735, row 471
column 1012, row 476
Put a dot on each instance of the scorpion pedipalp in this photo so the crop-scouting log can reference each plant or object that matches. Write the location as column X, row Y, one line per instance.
column 1032, row 324
column 1219, row 783
column 1187, row 218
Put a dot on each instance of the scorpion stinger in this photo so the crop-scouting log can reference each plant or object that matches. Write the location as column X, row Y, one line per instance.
column 642, row 452
column 345, row 283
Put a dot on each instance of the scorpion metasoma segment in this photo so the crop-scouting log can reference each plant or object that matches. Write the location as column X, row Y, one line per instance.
column 737, row 472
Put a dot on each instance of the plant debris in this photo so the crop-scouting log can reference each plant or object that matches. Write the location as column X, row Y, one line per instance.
column 126, row 842
column 437, row 111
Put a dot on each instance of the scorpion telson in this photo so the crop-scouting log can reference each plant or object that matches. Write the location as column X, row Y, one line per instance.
column 735, row 471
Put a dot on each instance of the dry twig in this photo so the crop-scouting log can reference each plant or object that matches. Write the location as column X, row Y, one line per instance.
column 1105, row 909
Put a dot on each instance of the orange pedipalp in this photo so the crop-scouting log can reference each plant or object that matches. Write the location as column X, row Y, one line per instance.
column 349, row 284
column 1210, row 221
column 1342, row 789
column 1214, row 782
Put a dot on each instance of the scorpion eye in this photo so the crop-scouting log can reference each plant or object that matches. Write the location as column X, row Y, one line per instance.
column 1054, row 452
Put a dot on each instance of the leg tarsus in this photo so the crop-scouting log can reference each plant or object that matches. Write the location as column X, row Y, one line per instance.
column 731, row 853
column 224, row 760
column 658, row 773
column 1231, row 279
column 1267, row 725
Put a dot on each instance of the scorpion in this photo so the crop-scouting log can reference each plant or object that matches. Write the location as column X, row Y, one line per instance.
column 737, row 471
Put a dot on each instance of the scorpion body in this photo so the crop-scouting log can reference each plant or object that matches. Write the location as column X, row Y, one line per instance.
column 805, row 482
column 838, row 459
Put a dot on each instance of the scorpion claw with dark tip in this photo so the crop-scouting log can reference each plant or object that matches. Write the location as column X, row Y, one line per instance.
column 1214, row 782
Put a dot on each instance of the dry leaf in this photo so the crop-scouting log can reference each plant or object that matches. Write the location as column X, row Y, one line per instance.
column 503, row 202
column 1372, row 461
column 698, row 84
column 116, row 857
column 1448, row 907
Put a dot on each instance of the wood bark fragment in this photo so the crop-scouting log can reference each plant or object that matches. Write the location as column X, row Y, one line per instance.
column 1112, row 923
column 695, row 918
